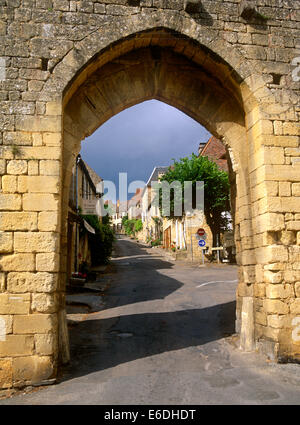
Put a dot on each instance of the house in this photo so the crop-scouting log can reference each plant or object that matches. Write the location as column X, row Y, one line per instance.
column 83, row 200
column 120, row 211
column 134, row 205
column 151, row 217
column 215, row 150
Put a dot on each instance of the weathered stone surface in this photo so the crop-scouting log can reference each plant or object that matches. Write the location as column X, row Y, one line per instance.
column 17, row 262
column 35, row 241
column 45, row 344
column 44, row 303
column 18, row 221
column 244, row 90
column 31, row 282
column 48, row 262
column 10, row 202
column 34, row 324
column 40, row 202
column 5, row 373
column 48, row 221
column 32, row 370
column 38, row 184
column 14, row 304
column 17, row 167
column 17, row 345
column 6, row 242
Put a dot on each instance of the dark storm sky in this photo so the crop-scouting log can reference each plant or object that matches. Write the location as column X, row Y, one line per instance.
column 139, row 138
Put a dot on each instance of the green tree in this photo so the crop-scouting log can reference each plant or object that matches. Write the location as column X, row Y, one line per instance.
column 132, row 226
column 216, row 188
column 101, row 242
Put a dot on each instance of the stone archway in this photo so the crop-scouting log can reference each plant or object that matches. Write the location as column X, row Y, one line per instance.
column 198, row 71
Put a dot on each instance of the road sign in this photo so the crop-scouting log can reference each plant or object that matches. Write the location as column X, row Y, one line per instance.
column 201, row 242
column 201, row 232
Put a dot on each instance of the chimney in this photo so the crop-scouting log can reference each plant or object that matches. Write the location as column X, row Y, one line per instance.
column 201, row 146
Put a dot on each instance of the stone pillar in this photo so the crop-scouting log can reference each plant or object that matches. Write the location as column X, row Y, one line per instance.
column 30, row 248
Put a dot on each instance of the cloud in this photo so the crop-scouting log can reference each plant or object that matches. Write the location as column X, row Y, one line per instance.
column 140, row 138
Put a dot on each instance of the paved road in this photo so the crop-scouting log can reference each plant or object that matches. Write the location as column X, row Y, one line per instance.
column 165, row 336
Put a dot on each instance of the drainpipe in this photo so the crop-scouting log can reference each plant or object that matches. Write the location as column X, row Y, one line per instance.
column 76, row 231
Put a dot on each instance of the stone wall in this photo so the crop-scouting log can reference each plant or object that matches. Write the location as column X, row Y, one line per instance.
column 68, row 66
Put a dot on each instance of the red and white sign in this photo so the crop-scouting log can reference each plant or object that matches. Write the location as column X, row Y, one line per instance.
column 201, row 232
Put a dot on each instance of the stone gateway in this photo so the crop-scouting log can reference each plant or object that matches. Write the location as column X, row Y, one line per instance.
column 68, row 66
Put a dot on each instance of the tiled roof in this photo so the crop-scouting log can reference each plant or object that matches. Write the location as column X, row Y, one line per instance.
column 215, row 151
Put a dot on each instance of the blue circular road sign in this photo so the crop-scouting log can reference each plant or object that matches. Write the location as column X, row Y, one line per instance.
column 201, row 242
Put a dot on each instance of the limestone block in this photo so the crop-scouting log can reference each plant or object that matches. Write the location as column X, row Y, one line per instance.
column 273, row 276
column 6, row 242
column 38, row 184
column 31, row 282
column 259, row 290
column 2, row 282
column 275, row 307
column 14, row 304
column 291, row 128
column 34, row 324
column 277, row 321
column 266, row 188
column 5, row 373
column 295, row 306
column 17, row 345
column 38, row 123
column 17, row 138
column 35, row 241
column 48, row 221
column 44, row 303
column 293, row 225
column 48, row 262
column 17, row 167
column 271, row 254
column 297, row 289
column 32, row 370
column 8, row 325
column 296, row 189
column 40, row 202
column 279, row 291
column 52, row 139
column 294, row 254
column 261, row 318
column 49, row 168
column 247, row 325
column 53, row 108
column 2, row 167
column 9, row 184
column 292, row 151
column 284, row 189
column 17, row 262
column 274, row 266
column 33, row 168
column 37, row 139
column 287, row 237
column 269, row 222
column 41, row 152
column 45, row 344
column 10, row 202
column 18, row 221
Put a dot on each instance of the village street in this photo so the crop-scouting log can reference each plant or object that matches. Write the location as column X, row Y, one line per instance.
column 165, row 335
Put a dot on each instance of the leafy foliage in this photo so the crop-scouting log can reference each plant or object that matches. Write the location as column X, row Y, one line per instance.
column 216, row 187
column 102, row 241
column 132, row 226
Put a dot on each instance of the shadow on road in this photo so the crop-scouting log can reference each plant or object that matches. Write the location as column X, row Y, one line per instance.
column 99, row 344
